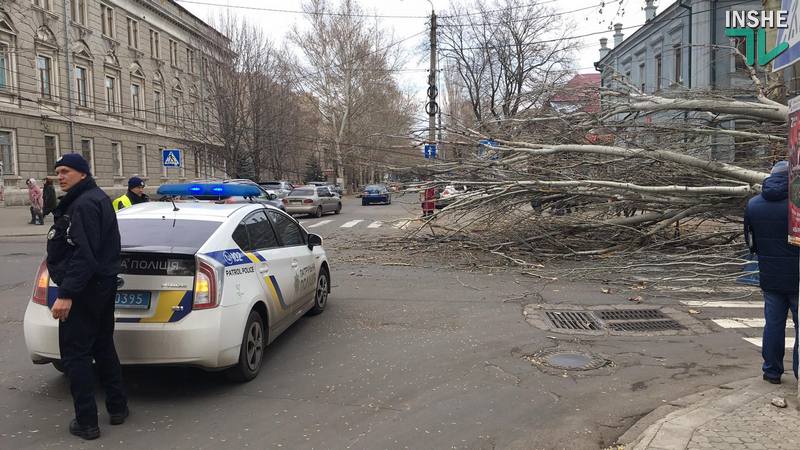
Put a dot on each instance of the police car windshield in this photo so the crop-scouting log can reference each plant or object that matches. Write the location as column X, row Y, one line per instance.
column 156, row 235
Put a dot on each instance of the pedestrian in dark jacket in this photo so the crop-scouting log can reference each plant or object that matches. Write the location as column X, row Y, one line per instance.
column 83, row 258
column 50, row 200
column 766, row 226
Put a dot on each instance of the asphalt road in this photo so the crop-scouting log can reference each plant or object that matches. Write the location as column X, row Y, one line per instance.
column 421, row 356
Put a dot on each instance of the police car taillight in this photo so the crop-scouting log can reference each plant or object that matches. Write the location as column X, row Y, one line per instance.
column 42, row 282
column 205, row 286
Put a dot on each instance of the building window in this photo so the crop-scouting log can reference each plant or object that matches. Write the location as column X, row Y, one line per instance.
column 173, row 52
column 79, row 11
column 8, row 152
column 141, row 151
column 136, row 100
column 678, row 63
column 116, row 158
column 87, row 151
column 176, row 100
column 190, row 60
column 154, row 44
column 107, row 18
column 81, row 91
column 111, row 94
column 642, row 77
column 51, row 151
column 5, row 67
column 45, row 69
column 133, row 33
column 157, row 105
column 658, row 72
column 44, row 4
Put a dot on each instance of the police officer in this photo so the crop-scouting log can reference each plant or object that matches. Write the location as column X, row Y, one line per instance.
column 83, row 257
column 135, row 194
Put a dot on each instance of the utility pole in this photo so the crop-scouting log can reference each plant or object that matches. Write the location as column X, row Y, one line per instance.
column 432, row 108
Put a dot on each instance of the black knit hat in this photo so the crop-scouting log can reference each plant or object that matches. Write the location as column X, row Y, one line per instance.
column 74, row 161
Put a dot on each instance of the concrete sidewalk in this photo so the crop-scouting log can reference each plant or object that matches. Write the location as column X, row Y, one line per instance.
column 14, row 223
column 739, row 415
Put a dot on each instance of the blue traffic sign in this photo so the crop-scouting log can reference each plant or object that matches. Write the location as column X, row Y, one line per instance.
column 430, row 151
column 171, row 157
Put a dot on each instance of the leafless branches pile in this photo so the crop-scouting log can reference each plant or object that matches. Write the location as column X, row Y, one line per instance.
column 660, row 179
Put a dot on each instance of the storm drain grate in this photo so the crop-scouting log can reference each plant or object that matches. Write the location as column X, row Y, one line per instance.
column 652, row 325
column 632, row 314
column 570, row 320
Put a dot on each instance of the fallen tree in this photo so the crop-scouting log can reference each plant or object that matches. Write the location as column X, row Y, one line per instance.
column 666, row 188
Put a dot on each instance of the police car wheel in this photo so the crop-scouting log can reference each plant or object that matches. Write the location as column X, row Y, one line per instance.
column 252, row 351
column 321, row 296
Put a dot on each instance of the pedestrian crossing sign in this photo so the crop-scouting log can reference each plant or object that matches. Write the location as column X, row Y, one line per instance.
column 171, row 157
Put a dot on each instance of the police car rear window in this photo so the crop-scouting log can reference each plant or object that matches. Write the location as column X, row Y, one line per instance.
column 177, row 236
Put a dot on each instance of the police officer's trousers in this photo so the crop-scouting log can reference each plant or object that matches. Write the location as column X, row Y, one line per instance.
column 86, row 335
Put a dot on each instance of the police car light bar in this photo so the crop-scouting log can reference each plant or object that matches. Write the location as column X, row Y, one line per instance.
column 209, row 189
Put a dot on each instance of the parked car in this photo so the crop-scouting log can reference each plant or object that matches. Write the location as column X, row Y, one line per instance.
column 281, row 188
column 449, row 194
column 376, row 193
column 312, row 200
column 333, row 188
column 204, row 285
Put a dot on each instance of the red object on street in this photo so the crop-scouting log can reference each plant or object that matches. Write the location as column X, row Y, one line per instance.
column 428, row 198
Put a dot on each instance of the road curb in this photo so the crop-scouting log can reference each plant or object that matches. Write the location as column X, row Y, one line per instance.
column 672, row 425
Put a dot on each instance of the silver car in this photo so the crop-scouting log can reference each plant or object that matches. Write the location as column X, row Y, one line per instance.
column 280, row 188
column 312, row 200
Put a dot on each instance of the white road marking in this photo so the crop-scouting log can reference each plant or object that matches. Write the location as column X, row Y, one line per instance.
column 320, row 223
column 740, row 322
column 351, row 224
column 375, row 224
column 713, row 304
column 758, row 342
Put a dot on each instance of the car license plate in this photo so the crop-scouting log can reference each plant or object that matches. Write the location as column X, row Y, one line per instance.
column 133, row 300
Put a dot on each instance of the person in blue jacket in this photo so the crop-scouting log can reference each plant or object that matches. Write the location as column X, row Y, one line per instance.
column 766, row 228
column 83, row 258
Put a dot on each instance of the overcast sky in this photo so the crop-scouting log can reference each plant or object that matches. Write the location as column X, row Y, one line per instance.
column 587, row 17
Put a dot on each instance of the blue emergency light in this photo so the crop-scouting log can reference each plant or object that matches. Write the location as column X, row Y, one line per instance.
column 209, row 189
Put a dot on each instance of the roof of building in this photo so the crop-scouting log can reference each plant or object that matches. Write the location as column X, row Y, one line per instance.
column 582, row 91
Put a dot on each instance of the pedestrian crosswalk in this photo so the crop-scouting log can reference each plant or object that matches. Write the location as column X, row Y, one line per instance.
column 750, row 327
column 373, row 225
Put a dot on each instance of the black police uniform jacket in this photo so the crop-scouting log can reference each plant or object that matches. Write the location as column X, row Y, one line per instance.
column 84, row 244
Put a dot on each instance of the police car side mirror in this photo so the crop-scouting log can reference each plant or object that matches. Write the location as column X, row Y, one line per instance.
column 314, row 240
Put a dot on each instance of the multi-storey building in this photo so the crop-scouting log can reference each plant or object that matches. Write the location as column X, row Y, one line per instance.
column 116, row 81
column 684, row 49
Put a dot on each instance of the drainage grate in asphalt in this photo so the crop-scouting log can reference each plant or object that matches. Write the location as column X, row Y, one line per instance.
column 631, row 314
column 652, row 325
column 573, row 320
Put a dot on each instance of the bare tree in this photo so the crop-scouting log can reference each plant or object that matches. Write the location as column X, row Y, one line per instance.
column 505, row 54
column 348, row 70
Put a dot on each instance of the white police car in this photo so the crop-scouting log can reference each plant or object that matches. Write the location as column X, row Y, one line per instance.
column 201, row 284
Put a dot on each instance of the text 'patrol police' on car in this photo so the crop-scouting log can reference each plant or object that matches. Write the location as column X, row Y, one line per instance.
column 202, row 284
